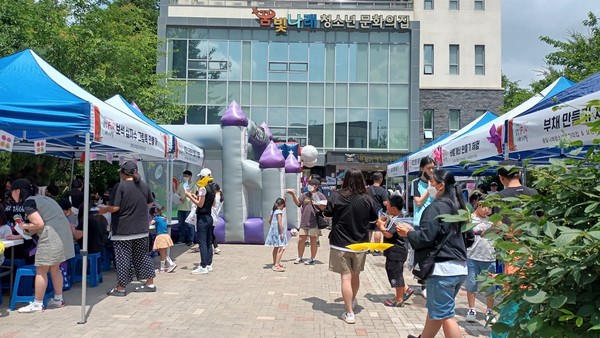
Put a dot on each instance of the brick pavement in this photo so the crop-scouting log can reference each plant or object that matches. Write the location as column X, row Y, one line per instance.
column 241, row 298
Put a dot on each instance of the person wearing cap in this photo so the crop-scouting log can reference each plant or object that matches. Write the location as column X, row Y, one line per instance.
column 45, row 218
column 130, row 231
column 204, row 200
column 493, row 188
column 186, row 230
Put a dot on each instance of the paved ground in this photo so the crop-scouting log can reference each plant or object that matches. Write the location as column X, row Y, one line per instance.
column 241, row 298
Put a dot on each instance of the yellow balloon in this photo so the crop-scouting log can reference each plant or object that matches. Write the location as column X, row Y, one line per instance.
column 369, row 246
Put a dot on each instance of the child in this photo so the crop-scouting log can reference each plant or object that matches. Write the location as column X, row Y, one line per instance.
column 162, row 241
column 396, row 255
column 276, row 236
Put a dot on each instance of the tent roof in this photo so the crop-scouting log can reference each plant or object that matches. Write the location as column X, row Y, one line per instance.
column 568, row 93
column 39, row 103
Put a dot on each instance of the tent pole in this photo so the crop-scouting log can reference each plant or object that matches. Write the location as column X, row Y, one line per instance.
column 85, row 210
column 169, row 193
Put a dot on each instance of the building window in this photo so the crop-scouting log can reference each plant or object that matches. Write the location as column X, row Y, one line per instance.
column 480, row 5
column 454, row 59
column 479, row 60
column 428, row 59
column 479, row 112
column 428, row 4
column 454, row 120
column 428, row 123
column 454, row 5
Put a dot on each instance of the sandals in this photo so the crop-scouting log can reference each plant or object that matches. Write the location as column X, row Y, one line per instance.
column 117, row 293
column 407, row 294
column 279, row 268
column 393, row 303
column 145, row 288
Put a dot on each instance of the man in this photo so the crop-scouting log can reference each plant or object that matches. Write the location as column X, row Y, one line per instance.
column 493, row 188
column 510, row 179
column 380, row 195
column 186, row 230
column 312, row 202
column 52, row 191
column 204, row 230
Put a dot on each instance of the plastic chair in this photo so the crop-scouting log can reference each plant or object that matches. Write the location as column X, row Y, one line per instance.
column 107, row 259
column 94, row 273
column 23, row 291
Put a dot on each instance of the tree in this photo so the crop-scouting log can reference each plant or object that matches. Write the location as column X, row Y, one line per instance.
column 513, row 94
column 578, row 55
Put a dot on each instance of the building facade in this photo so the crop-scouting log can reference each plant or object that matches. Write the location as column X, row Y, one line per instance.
column 370, row 80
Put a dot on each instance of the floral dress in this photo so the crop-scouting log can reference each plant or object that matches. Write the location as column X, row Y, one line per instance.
column 273, row 238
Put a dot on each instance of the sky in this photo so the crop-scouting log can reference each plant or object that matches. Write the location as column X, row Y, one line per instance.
column 524, row 21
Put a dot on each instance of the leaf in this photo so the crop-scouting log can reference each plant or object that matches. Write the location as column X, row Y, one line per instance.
column 595, row 327
column 535, row 324
column 508, row 246
column 550, row 229
column 558, row 301
column 535, row 296
column 579, row 321
column 591, row 207
column 595, row 234
column 501, row 327
column 586, row 310
column 565, row 239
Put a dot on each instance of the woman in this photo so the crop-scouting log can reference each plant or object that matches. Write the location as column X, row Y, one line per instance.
column 55, row 243
column 216, row 209
column 450, row 269
column 352, row 210
column 130, row 231
column 420, row 194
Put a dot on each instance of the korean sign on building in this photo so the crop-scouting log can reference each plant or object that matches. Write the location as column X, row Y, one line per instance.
column 268, row 18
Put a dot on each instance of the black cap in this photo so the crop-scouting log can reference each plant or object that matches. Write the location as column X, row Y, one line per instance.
column 129, row 168
column 21, row 184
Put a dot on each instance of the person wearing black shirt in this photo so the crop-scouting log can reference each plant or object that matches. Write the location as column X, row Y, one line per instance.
column 381, row 198
column 204, row 229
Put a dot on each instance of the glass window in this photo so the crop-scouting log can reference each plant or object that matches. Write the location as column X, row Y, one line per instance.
column 399, row 63
column 454, row 59
column 294, row 133
column 297, row 117
column 399, row 129
column 399, row 96
column 277, row 94
column 428, row 59
column 277, row 117
column 298, row 51
column 298, row 67
column 357, row 128
column 341, row 95
column 278, row 66
column 428, row 4
column 246, row 60
column 479, row 60
column 378, row 131
column 341, row 62
column 428, row 123
column 316, row 95
column 259, row 93
column 358, row 62
column 178, row 58
column 178, row 91
column 278, row 134
column 259, row 60
column 245, row 96
column 196, row 92
column 315, row 127
column 177, row 32
column 217, row 93
column 378, row 96
column 198, row 33
column 329, row 61
column 479, row 112
column 278, row 51
column 359, row 95
column 233, row 92
column 196, row 115
column 198, row 50
column 341, row 128
column 214, row 114
column 297, row 95
column 329, row 95
column 480, row 5
column 329, row 117
column 317, row 62
column 454, row 117
column 235, row 60
column 258, row 114
column 379, row 63
column 454, row 5
column 218, row 33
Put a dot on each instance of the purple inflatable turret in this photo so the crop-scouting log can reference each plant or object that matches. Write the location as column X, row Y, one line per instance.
column 271, row 157
column 234, row 116
column 292, row 165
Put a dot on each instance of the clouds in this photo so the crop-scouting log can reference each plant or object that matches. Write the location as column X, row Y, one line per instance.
column 524, row 21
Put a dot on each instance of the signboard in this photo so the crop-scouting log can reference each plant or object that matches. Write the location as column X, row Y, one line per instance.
column 397, row 169
column 187, row 152
column 367, row 158
column 268, row 18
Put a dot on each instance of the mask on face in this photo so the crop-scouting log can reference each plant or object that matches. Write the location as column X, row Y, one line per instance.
column 311, row 188
column 432, row 191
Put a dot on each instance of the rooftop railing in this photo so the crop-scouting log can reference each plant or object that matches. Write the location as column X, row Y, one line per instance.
column 300, row 4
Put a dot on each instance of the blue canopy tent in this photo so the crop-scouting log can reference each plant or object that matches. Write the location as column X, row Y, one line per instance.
column 398, row 168
column 38, row 103
column 485, row 143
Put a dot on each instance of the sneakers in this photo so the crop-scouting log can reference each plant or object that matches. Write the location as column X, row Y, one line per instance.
column 407, row 293
column 199, row 271
column 32, row 307
column 424, row 293
column 309, row 262
column 56, row 303
column 217, row 251
column 471, row 316
column 298, row 260
column 490, row 318
column 209, row 268
column 349, row 318
column 171, row 267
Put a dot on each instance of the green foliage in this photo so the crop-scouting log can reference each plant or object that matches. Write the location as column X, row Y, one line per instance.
column 513, row 94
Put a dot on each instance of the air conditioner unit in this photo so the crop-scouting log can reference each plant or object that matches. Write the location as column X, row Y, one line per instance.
column 428, row 134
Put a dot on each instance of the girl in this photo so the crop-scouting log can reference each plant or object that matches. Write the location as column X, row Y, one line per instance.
column 276, row 236
column 216, row 209
column 162, row 241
